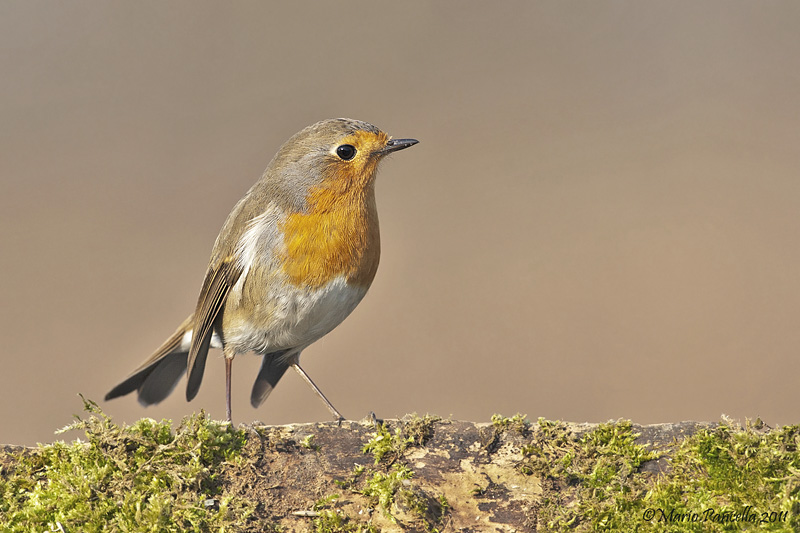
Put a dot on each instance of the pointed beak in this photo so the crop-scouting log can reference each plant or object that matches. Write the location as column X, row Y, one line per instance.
column 397, row 144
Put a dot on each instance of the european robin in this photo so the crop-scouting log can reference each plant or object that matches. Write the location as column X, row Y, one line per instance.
column 293, row 259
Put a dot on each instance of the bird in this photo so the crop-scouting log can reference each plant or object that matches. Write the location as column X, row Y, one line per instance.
column 293, row 259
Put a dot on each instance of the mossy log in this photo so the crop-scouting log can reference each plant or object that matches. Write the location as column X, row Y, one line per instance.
column 462, row 476
column 413, row 474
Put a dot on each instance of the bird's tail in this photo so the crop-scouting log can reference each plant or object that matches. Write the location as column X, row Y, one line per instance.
column 273, row 366
column 156, row 378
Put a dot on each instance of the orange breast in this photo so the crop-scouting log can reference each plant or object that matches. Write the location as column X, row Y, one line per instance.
column 337, row 236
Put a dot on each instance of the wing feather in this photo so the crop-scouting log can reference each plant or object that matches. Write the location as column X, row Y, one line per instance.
column 218, row 283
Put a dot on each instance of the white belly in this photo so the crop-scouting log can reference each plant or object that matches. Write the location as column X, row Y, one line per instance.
column 298, row 317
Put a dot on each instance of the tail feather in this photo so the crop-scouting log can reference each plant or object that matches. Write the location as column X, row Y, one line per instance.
column 198, row 367
column 156, row 378
column 273, row 366
column 163, row 379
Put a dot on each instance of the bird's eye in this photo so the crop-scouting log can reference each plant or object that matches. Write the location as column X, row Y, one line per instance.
column 346, row 152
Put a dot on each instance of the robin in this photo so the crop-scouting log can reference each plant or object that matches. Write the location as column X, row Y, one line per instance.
column 293, row 259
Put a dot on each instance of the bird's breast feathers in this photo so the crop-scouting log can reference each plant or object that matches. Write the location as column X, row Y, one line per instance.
column 302, row 275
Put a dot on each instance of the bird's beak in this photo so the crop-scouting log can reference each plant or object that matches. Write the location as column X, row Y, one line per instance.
column 397, row 144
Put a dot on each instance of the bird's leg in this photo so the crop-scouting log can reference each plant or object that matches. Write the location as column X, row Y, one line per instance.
column 336, row 414
column 228, row 368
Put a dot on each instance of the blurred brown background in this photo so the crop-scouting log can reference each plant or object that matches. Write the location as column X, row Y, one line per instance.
column 601, row 219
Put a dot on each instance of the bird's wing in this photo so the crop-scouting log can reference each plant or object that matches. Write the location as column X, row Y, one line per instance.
column 219, row 280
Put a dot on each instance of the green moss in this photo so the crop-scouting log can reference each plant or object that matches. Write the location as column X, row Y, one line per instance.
column 590, row 480
column 595, row 482
column 391, row 486
column 324, row 503
column 389, row 446
column 334, row 521
column 354, row 478
column 381, row 488
column 502, row 426
column 140, row 478
column 383, row 443
column 518, row 423
column 151, row 477
column 388, row 486
column 736, row 479
column 309, row 444
column 418, row 430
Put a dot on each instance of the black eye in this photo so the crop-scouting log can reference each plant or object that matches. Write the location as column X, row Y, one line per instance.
column 346, row 152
